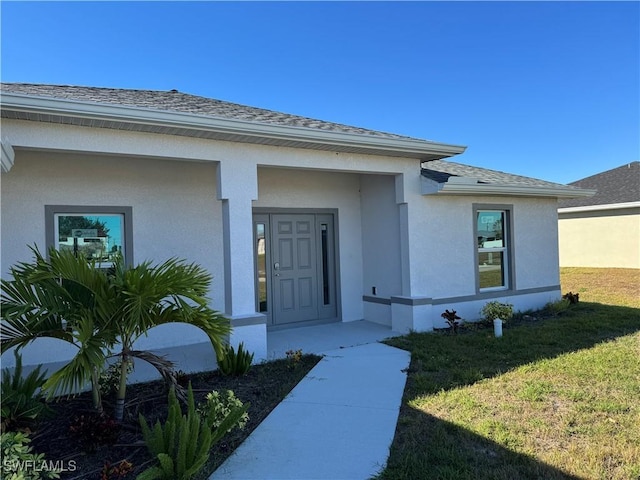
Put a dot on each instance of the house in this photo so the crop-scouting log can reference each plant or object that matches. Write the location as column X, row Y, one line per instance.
column 300, row 221
column 603, row 230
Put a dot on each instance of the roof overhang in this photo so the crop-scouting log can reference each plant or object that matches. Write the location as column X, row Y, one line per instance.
column 98, row 115
column 472, row 186
column 593, row 208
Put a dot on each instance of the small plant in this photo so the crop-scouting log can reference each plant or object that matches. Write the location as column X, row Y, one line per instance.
column 182, row 444
column 182, row 378
column 235, row 363
column 21, row 401
column 121, row 470
column 217, row 407
column 94, row 429
column 294, row 357
column 557, row 307
column 452, row 319
column 495, row 309
column 19, row 462
column 572, row 297
column 110, row 378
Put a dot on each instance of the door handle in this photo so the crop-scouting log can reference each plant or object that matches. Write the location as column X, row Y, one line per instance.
column 276, row 274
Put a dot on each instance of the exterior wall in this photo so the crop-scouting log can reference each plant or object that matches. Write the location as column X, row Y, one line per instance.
column 193, row 198
column 381, row 250
column 175, row 213
column 444, row 268
column 607, row 238
column 190, row 198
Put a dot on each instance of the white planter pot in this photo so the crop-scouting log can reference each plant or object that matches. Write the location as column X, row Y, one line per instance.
column 497, row 327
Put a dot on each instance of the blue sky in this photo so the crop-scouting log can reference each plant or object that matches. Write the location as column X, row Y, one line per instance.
column 544, row 89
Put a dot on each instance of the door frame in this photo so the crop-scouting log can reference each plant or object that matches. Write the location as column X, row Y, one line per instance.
column 262, row 215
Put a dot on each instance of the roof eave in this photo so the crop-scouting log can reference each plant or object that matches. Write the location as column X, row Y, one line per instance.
column 34, row 108
column 607, row 206
column 507, row 190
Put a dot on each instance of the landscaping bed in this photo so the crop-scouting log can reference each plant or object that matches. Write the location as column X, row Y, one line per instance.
column 98, row 447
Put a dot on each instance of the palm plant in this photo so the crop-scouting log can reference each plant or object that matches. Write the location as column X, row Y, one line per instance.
column 147, row 296
column 72, row 299
column 63, row 298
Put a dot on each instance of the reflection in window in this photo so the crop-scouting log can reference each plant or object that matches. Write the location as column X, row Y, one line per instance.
column 261, row 264
column 492, row 249
column 98, row 237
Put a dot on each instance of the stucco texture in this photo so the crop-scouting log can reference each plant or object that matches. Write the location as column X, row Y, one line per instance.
column 600, row 239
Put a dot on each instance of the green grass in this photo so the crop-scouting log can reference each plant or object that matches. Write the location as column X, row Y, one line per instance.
column 551, row 399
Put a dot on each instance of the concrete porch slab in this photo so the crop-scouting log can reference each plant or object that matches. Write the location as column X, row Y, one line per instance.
column 321, row 338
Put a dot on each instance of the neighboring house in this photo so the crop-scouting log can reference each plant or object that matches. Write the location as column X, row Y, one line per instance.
column 603, row 230
column 300, row 221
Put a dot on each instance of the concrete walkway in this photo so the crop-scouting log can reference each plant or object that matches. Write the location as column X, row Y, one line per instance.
column 336, row 424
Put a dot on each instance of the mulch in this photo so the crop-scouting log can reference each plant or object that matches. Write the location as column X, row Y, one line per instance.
column 88, row 446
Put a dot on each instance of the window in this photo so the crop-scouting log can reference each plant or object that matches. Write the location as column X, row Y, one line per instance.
column 493, row 243
column 99, row 233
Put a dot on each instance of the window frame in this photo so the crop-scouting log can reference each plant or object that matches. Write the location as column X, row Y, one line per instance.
column 508, row 270
column 127, row 213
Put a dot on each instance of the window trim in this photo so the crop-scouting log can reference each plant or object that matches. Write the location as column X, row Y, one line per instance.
column 50, row 211
column 509, row 257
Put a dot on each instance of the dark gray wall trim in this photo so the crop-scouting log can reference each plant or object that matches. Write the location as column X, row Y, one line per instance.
column 414, row 302
column 465, row 298
column 245, row 321
column 49, row 224
column 496, row 294
column 379, row 300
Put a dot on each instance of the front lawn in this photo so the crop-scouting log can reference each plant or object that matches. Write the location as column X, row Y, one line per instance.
column 554, row 398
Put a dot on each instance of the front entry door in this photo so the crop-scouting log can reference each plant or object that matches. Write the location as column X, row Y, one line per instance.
column 295, row 274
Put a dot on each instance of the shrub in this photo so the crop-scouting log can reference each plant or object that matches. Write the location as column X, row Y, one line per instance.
column 572, row 297
column 21, row 401
column 182, row 444
column 235, row 363
column 495, row 309
column 110, row 378
column 217, row 407
column 94, row 429
column 19, row 462
column 294, row 357
column 452, row 319
column 120, row 470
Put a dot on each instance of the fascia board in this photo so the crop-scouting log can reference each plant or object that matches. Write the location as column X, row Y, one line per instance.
column 511, row 190
column 592, row 208
column 135, row 115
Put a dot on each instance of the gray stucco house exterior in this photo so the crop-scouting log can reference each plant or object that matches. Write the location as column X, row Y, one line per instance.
column 300, row 221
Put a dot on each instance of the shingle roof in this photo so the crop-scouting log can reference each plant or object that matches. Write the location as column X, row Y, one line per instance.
column 619, row 185
column 174, row 101
column 440, row 171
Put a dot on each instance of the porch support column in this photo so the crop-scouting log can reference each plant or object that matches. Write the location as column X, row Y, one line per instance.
column 237, row 187
column 410, row 311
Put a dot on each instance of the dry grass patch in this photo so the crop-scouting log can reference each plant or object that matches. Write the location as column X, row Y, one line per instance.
column 609, row 286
